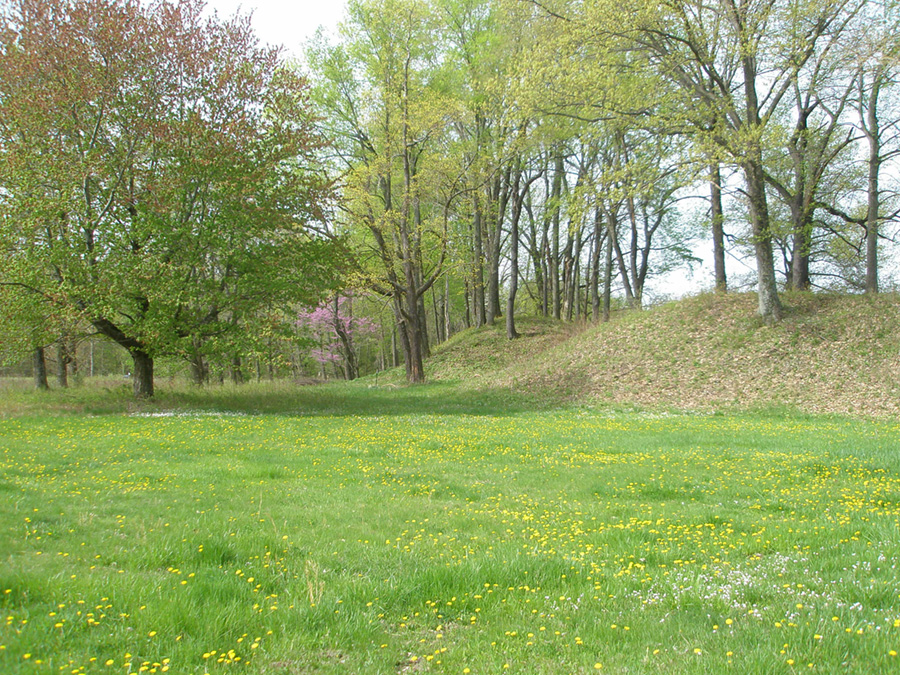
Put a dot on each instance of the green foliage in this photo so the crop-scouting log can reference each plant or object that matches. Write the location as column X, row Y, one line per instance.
column 163, row 210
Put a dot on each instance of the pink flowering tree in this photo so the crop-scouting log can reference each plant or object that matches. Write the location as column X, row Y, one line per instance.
column 335, row 330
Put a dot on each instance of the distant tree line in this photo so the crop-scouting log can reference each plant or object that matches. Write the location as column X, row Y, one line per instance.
column 170, row 184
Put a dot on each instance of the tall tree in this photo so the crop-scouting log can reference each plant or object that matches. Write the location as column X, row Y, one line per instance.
column 486, row 38
column 395, row 187
column 723, row 70
column 761, row 46
column 520, row 189
column 877, row 68
column 159, row 207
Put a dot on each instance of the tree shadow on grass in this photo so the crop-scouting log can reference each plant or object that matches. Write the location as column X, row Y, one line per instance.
column 359, row 398
column 351, row 399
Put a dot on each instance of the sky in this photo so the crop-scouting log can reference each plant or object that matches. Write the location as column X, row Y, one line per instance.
column 284, row 22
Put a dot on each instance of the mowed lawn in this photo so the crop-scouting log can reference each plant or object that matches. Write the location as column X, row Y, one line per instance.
column 564, row 541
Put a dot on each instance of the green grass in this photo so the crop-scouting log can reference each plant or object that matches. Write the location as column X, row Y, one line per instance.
column 348, row 529
column 379, row 394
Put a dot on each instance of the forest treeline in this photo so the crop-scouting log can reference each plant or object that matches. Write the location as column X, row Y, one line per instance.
column 440, row 164
column 554, row 156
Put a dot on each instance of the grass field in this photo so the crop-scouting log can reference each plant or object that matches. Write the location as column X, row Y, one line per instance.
column 354, row 530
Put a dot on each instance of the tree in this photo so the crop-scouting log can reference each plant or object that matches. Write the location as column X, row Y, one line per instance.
column 877, row 60
column 335, row 330
column 522, row 183
column 717, row 71
column 385, row 96
column 707, row 49
column 158, row 171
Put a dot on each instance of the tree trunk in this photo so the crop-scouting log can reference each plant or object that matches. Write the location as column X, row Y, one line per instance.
column 767, row 290
column 237, row 375
column 408, row 334
column 72, row 353
column 718, row 230
column 199, row 367
column 545, row 271
column 198, row 370
column 351, row 367
column 424, row 340
column 62, row 364
column 39, row 368
column 801, row 243
column 468, row 316
column 555, row 290
column 801, row 212
column 493, row 293
column 478, row 281
column 594, row 281
column 415, row 369
column 498, row 200
column 511, row 332
column 607, row 279
column 447, row 307
column 873, row 136
column 142, row 377
column 143, row 363
column 872, row 227
column 395, row 356
column 438, row 312
column 493, row 223
column 572, row 276
column 612, row 228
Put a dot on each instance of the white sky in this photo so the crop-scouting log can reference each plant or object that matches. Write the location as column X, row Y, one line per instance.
column 284, row 22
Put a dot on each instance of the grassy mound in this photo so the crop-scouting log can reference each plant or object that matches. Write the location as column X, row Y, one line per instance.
column 486, row 353
column 831, row 354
